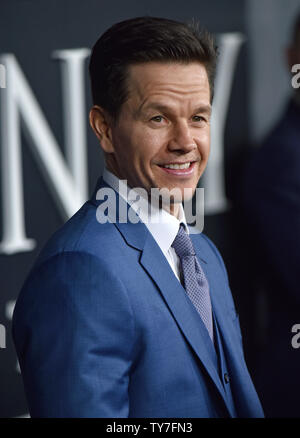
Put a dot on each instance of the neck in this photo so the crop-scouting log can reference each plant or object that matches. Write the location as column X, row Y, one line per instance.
column 173, row 209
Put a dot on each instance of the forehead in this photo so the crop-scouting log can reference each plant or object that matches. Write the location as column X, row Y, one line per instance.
column 167, row 79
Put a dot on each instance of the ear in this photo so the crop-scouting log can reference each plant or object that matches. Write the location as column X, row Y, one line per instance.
column 101, row 123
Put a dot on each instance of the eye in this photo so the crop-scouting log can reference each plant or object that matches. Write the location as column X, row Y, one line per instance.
column 198, row 119
column 157, row 119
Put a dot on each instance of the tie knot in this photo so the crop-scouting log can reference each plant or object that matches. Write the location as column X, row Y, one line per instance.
column 183, row 244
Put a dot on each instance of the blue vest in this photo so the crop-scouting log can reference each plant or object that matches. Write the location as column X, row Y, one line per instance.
column 219, row 360
column 222, row 366
column 216, row 352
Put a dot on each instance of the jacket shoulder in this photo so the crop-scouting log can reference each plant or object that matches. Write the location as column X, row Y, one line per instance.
column 82, row 233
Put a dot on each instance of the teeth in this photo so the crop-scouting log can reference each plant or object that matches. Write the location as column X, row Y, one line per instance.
column 177, row 166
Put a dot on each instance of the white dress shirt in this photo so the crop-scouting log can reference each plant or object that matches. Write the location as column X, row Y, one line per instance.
column 162, row 225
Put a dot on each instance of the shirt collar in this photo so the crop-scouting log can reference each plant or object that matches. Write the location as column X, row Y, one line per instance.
column 162, row 225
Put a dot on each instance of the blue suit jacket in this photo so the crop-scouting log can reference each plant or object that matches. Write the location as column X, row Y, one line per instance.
column 103, row 328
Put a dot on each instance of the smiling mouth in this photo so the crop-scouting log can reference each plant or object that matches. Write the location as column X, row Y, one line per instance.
column 177, row 166
column 180, row 169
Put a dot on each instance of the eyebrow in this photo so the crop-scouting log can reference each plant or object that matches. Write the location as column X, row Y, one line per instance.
column 164, row 108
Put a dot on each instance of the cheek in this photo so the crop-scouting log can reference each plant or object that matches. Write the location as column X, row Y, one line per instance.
column 125, row 149
column 148, row 148
column 204, row 144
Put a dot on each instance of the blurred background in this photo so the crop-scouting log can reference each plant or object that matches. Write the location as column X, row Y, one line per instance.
column 50, row 161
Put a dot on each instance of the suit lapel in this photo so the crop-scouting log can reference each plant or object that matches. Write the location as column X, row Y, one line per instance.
column 218, row 293
column 182, row 309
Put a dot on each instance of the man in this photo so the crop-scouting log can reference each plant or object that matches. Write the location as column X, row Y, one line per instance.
column 271, row 199
column 127, row 318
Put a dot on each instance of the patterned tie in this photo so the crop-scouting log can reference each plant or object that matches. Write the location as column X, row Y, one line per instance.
column 195, row 282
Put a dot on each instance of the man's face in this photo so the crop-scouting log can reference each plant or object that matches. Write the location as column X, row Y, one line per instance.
column 165, row 123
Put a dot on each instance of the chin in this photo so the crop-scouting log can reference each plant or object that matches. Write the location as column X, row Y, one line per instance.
column 180, row 194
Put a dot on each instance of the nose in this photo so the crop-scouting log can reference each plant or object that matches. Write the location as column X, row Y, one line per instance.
column 182, row 139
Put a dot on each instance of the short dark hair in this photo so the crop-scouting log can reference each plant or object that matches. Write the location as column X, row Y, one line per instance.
column 145, row 39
